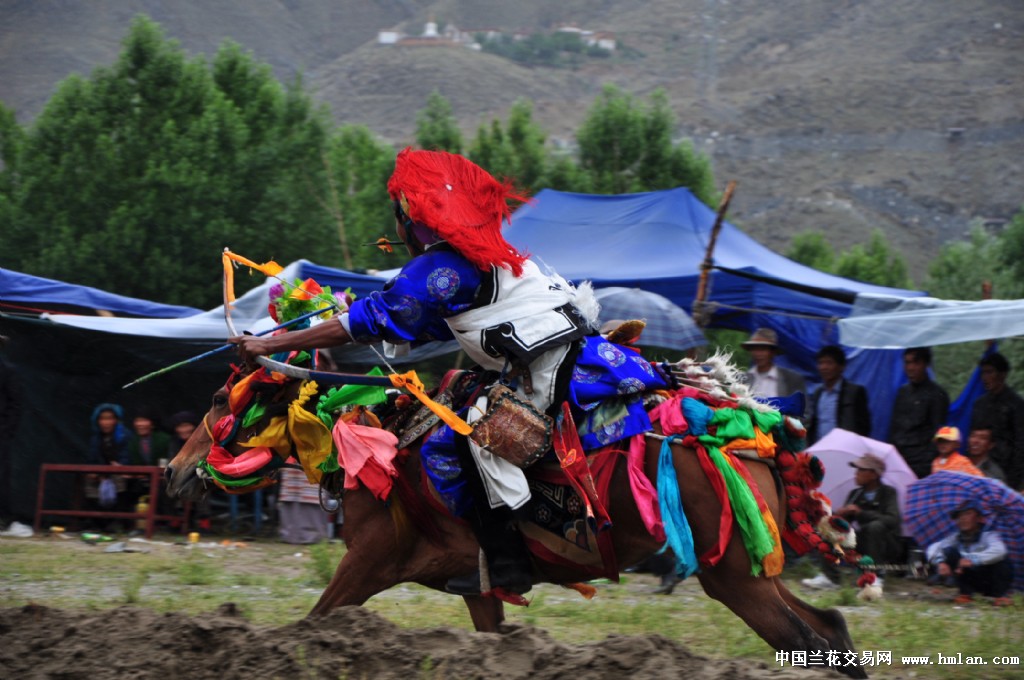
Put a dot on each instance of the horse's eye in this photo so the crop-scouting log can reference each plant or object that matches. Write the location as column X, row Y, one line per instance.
column 219, row 400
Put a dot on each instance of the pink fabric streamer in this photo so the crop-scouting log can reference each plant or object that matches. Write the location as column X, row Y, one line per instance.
column 358, row 445
column 670, row 415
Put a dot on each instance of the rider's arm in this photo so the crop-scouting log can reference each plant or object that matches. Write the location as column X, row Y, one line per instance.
column 330, row 333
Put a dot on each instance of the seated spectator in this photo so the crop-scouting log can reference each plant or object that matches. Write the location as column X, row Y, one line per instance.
column 949, row 459
column 979, row 446
column 975, row 558
column 873, row 508
column 108, row 445
column 183, row 424
column 838, row 402
column 149, row 445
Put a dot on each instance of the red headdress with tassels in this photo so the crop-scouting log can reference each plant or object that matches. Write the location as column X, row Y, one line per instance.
column 461, row 202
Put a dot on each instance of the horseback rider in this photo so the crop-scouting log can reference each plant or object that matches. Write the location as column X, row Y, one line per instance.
column 533, row 330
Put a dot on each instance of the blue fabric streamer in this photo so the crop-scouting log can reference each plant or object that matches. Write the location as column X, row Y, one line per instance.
column 698, row 415
column 678, row 535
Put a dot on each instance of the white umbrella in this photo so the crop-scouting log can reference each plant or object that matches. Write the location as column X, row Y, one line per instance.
column 668, row 324
column 839, row 448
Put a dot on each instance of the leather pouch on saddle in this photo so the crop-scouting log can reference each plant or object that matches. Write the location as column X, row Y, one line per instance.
column 513, row 428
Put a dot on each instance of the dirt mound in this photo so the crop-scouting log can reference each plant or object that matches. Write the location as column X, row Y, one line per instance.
column 40, row 642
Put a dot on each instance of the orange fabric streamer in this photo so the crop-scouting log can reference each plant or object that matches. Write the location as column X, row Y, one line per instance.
column 411, row 382
column 270, row 268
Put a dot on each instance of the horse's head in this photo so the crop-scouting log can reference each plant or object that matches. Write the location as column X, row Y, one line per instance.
column 237, row 437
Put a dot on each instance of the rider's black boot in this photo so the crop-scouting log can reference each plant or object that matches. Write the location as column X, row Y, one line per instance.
column 507, row 557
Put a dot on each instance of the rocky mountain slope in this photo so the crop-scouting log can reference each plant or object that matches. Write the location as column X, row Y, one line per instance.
column 837, row 116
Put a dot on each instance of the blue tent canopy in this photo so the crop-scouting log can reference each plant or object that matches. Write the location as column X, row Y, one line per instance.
column 34, row 291
column 657, row 241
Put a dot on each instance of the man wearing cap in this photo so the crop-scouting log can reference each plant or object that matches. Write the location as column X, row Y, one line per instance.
column 949, row 458
column 874, row 508
column 974, row 557
column 765, row 377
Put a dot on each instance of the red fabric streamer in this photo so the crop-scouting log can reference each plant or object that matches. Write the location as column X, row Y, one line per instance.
column 714, row 554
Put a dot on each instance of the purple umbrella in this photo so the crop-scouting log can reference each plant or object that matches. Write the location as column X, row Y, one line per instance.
column 839, row 448
column 930, row 500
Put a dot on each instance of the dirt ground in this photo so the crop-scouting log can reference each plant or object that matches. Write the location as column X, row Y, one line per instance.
column 127, row 642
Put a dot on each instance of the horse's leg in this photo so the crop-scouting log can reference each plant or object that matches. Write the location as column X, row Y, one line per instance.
column 828, row 623
column 361, row 574
column 487, row 613
column 756, row 600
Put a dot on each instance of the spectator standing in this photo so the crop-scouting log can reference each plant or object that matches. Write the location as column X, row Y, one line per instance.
column 949, row 458
column 974, row 557
column 300, row 517
column 874, row 509
column 10, row 410
column 921, row 407
column 1001, row 410
column 838, row 402
column 765, row 377
column 979, row 446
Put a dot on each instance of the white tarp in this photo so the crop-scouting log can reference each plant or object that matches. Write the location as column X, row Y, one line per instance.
column 249, row 313
column 886, row 322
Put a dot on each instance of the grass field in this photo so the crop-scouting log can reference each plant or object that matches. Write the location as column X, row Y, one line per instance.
column 274, row 583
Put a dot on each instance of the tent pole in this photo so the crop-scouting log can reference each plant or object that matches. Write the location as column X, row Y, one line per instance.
column 700, row 314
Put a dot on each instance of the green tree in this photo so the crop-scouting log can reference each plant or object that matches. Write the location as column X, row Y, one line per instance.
column 874, row 263
column 1012, row 252
column 133, row 179
column 12, row 139
column 811, row 248
column 960, row 272
column 360, row 165
column 625, row 146
column 436, row 126
column 516, row 150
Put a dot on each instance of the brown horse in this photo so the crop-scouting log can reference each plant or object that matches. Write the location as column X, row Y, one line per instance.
column 383, row 553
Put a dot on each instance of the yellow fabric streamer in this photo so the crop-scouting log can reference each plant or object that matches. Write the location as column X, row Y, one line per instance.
column 411, row 382
column 273, row 436
column 311, row 438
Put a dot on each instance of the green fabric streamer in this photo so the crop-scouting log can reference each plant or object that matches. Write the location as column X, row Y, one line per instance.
column 255, row 412
column 732, row 424
column 766, row 421
column 235, row 483
column 756, row 537
column 351, row 395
